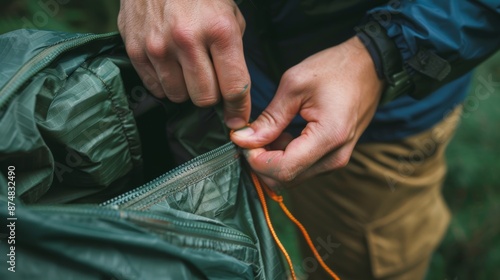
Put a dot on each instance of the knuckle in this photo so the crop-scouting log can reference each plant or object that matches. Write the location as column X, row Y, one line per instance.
column 294, row 79
column 236, row 94
column 135, row 53
column 150, row 81
column 183, row 37
column 268, row 118
column 157, row 94
column 125, row 22
column 351, row 135
column 206, row 101
column 224, row 27
column 151, row 84
column 153, row 87
column 240, row 18
column 343, row 135
column 243, row 25
column 342, row 160
column 121, row 23
column 177, row 98
column 286, row 175
column 156, row 47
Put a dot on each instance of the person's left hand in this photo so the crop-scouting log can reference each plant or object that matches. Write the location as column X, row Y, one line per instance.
column 337, row 92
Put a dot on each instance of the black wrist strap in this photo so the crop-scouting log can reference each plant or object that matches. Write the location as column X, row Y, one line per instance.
column 391, row 66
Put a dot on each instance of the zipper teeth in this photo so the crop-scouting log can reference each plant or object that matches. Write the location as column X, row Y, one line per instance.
column 185, row 178
column 219, row 234
column 134, row 216
column 160, row 181
column 41, row 60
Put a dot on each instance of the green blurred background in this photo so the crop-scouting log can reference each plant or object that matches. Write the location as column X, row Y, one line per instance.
column 471, row 248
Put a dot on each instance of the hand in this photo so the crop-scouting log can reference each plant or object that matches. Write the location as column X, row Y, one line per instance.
column 193, row 49
column 337, row 92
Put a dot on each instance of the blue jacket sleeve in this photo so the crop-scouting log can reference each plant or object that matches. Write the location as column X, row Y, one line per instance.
column 461, row 33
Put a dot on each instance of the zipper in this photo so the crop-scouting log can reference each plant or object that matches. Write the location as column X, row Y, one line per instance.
column 42, row 60
column 139, row 199
column 189, row 172
column 157, row 223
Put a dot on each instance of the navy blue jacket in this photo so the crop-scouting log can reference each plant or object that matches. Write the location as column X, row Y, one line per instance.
column 282, row 33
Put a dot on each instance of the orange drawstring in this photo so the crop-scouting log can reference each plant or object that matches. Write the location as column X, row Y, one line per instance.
column 279, row 199
column 262, row 199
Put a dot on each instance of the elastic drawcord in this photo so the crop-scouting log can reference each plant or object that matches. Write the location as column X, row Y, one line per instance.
column 278, row 198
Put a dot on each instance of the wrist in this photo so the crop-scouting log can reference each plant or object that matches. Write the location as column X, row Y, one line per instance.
column 387, row 61
column 367, row 65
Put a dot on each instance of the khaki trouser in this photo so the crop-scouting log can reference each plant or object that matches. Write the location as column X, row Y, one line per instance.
column 381, row 216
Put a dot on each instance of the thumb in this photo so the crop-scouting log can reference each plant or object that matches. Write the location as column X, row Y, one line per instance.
column 269, row 125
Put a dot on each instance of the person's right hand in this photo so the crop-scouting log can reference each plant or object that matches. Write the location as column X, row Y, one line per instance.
column 193, row 49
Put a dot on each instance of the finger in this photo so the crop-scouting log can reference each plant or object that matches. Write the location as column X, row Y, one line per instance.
column 241, row 20
column 168, row 71
column 334, row 160
column 269, row 182
column 270, row 124
column 172, row 80
column 149, row 79
column 200, row 77
column 253, row 157
column 144, row 68
column 300, row 154
column 281, row 142
column 232, row 75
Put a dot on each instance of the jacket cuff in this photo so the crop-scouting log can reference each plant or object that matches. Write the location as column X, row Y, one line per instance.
column 387, row 59
column 373, row 53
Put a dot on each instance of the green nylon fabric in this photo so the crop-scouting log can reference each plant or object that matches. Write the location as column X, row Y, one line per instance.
column 56, row 123
column 206, row 225
column 69, row 129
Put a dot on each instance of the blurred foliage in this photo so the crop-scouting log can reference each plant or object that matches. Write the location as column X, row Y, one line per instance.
column 471, row 248
column 68, row 15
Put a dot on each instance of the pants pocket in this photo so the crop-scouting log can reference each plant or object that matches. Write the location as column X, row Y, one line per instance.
column 397, row 243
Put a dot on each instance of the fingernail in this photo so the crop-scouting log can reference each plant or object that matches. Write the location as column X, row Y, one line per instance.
column 244, row 132
column 236, row 123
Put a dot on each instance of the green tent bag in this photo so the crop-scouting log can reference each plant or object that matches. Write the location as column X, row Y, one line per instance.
column 79, row 134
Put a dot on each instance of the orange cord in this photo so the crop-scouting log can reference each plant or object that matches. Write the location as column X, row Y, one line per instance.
column 262, row 199
column 279, row 199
